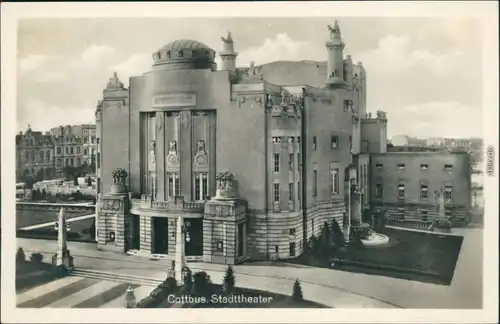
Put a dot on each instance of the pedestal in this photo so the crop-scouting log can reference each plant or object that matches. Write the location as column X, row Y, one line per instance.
column 63, row 259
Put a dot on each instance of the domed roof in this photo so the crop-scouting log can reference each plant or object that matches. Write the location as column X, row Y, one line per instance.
column 184, row 53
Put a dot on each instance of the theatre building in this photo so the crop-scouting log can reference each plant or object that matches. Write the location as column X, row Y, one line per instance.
column 254, row 159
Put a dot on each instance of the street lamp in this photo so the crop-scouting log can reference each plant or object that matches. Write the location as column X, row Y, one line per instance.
column 185, row 230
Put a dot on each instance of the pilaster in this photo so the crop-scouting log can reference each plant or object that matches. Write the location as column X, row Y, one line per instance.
column 185, row 151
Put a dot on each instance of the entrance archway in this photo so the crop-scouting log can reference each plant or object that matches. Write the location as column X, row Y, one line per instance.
column 194, row 236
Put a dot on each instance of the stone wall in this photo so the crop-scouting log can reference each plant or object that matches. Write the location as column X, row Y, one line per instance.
column 111, row 218
column 145, row 233
column 321, row 212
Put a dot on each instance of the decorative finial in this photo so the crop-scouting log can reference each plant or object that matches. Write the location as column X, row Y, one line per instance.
column 229, row 39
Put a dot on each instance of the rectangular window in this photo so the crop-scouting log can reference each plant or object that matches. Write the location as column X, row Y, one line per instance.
column 298, row 161
column 276, row 192
column 292, row 249
column 424, row 191
column 276, row 159
column 276, row 139
column 298, row 140
column 315, row 183
column 424, row 166
column 67, row 150
column 299, row 191
column 78, row 150
column 292, row 231
column 173, row 185
column 290, row 162
column 200, row 186
column 378, row 191
column 448, row 192
column 401, row 214
column 379, row 166
column 290, row 192
column 448, row 214
column 350, row 143
column 448, row 167
column 401, row 191
column 314, row 143
column 401, row 166
column 334, row 142
column 423, row 216
column 334, row 178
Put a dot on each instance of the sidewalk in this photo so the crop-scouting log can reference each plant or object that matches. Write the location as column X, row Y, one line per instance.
column 334, row 288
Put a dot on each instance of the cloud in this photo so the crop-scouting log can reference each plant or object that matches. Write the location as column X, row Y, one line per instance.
column 96, row 54
column 35, row 113
column 429, row 119
column 34, row 62
column 134, row 65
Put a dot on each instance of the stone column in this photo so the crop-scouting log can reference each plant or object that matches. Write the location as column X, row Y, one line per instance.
column 185, row 153
column 62, row 256
column 180, row 259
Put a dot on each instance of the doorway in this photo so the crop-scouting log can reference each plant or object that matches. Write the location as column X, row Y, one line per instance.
column 241, row 240
column 160, row 235
column 135, row 235
column 194, row 236
column 292, row 249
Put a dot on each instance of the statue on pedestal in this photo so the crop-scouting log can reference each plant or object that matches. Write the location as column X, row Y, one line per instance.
column 225, row 187
column 118, row 186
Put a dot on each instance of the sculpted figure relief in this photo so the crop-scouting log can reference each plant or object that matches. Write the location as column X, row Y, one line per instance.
column 172, row 147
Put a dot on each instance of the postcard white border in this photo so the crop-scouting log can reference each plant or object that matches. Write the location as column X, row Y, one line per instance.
column 487, row 12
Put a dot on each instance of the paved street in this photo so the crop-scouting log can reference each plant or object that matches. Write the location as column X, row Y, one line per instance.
column 330, row 287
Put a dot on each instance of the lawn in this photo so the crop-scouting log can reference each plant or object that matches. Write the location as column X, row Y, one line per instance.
column 411, row 255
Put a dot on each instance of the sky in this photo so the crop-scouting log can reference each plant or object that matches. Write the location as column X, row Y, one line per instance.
column 426, row 73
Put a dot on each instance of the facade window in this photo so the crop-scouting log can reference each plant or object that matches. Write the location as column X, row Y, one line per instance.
column 424, row 166
column 299, row 191
column 423, row 216
column 72, row 162
column 27, row 156
column 334, row 178
column 448, row 192
column 401, row 214
column 401, row 166
column 379, row 166
column 315, row 183
column 350, row 143
column 448, row 167
column 424, row 191
column 33, row 156
column 378, row 191
column 58, row 150
column 67, row 150
column 85, row 140
column 71, row 150
column 276, row 139
column 401, row 191
column 298, row 161
column 200, row 186
column 47, row 155
column 93, row 139
column 276, row 192
column 276, row 162
column 291, row 231
column 59, row 161
column 290, row 192
column 291, row 139
column 78, row 161
column 334, row 142
column 78, row 150
column 290, row 162
column 66, row 162
column 314, row 143
column 85, row 152
column 173, row 185
column 41, row 156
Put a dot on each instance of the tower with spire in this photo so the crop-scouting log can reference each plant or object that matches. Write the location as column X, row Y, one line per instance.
column 335, row 48
column 228, row 55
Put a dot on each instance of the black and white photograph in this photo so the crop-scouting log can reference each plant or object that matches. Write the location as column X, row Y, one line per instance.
column 299, row 161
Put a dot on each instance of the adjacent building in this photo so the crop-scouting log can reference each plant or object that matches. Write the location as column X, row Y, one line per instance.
column 404, row 186
column 34, row 155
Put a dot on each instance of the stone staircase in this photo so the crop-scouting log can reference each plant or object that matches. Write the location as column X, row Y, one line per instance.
column 100, row 275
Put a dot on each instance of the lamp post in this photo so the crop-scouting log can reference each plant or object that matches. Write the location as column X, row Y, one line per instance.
column 182, row 236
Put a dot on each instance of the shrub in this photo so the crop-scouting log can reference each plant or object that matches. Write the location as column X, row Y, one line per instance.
column 201, row 283
column 36, row 257
column 157, row 293
column 148, row 302
column 20, row 256
column 229, row 280
column 170, row 284
column 297, row 292
column 187, row 282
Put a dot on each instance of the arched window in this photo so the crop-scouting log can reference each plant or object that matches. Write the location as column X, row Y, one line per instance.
column 72, row 161
column 66, row 162
column 85, row 140
column 41, row 156
column 78, row 161
column 47, row 155
column 78, row 150
column 32, row 156
column 27, row 156
column 71, row 150
column 84, row 151
column 67, row 150
column 58, row 150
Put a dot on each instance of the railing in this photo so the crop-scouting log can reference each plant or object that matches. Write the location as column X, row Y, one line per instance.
column 173, row 204
column 409, row 223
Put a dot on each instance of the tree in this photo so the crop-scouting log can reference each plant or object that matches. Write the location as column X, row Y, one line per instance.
column 297, row 292
column 325, row 236
column 187, row 282
column 201, row 284
column 89, row 181
column 20, row 256
column 229, row 280
column 44, row 193
column 75, row 181
column 40, row 175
